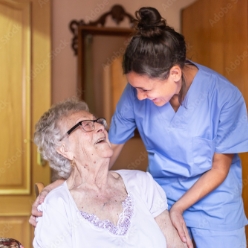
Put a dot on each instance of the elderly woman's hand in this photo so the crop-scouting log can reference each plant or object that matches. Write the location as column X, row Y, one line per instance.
column 178, row 222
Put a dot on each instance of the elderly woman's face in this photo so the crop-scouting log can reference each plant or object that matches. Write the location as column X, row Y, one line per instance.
column 87, row 145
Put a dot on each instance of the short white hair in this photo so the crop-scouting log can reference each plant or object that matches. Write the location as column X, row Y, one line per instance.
column 48, row 134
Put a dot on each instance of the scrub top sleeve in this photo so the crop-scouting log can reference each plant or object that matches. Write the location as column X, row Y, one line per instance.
column 123, row 122
column 153, row 194
column 232, row 132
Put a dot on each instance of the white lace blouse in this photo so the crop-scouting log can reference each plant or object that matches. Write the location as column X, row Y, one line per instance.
column 64, row 226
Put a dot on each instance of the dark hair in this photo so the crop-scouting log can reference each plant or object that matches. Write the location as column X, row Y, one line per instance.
column 155, row 47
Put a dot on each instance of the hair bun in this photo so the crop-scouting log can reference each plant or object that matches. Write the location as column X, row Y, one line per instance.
column 149, row 22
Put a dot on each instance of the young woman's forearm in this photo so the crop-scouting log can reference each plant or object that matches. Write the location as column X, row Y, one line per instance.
column 117, row 149
column 207, row 182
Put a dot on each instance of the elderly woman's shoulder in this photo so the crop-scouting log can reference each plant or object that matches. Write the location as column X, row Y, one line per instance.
column 57, row 202
column 132, row 174
column 60, row 192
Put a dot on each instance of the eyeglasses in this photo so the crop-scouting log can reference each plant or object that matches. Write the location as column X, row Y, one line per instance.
column 87, row 125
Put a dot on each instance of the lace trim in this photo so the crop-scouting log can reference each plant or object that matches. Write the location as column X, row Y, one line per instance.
column 122, row 224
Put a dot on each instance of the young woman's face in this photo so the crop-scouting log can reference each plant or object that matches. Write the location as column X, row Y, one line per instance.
column 158, row 91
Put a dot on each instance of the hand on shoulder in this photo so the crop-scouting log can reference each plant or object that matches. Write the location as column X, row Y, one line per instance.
column 40, row 199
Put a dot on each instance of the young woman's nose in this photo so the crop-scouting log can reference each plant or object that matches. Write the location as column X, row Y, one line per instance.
column 141, row 95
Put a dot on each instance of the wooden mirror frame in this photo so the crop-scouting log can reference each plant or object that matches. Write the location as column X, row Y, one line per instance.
column 80, row 29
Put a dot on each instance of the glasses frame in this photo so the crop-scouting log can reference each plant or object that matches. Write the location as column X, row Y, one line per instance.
column 80, row 124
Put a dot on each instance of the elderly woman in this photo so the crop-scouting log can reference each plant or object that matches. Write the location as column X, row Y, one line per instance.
column 95, row 207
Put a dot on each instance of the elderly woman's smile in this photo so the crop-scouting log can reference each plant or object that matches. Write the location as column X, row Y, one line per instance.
column 89, row 136
column 101, row 140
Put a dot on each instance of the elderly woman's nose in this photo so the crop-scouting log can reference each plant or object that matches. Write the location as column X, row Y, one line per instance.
column 99, row 127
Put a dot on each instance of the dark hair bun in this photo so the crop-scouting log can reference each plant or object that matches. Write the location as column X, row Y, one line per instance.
column 149, row 22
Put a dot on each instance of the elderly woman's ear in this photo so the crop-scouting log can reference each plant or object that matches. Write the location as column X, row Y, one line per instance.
column 65, row 152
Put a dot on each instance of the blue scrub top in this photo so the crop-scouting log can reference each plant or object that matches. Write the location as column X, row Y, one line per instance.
column 180, row 145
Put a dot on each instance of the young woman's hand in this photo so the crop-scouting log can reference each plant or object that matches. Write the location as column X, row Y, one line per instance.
column 34, row 212
column 41, row 197
column 171, row 235
column 178, row 222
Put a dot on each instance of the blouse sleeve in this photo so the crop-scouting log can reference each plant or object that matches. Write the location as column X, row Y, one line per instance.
column 123, row 122
column 152, row 194
column 53, row 228
column 232, row 132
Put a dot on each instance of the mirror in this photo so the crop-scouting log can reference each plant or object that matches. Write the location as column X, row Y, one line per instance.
column 99, row 50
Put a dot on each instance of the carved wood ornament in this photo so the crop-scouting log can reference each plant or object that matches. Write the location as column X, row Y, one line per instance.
column 117, row 14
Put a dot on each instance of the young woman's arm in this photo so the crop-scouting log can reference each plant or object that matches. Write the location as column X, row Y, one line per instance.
column 206, row 183
column 117, row 149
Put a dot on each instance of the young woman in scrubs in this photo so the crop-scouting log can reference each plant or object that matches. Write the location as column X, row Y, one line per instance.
column 193, row 123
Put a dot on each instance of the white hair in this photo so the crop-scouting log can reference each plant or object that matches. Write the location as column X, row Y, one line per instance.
column 48, row 134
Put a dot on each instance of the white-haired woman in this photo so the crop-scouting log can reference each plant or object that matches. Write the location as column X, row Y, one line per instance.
column 95, row 207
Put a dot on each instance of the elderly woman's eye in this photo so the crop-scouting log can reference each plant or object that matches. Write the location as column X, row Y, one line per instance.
column 87, row 124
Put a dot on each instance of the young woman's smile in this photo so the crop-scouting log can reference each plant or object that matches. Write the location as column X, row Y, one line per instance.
column 159, row 91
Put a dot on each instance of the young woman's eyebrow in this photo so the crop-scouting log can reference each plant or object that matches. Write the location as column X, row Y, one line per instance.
column 140, row 88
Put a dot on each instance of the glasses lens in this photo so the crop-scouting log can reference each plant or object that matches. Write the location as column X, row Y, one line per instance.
column 103, row 122
column 88, row 125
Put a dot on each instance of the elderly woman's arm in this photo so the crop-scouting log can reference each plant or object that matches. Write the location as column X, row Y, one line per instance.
column 40, row 199
column 55, row 227
column 172, row 238
column 154, row 197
